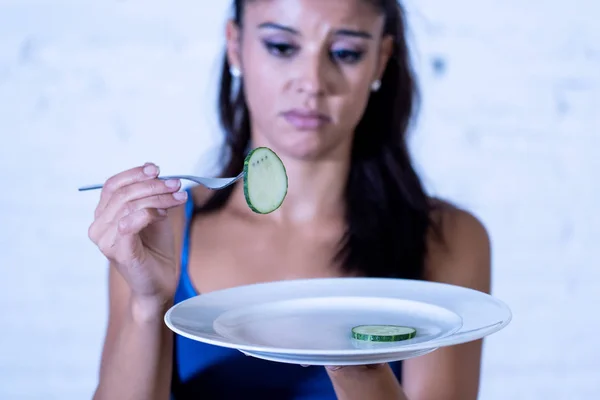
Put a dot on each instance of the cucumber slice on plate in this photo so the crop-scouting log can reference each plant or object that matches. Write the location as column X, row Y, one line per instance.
column 265, row 180
column 383, row 333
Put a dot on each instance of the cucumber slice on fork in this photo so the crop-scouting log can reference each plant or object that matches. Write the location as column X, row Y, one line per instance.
column 265, row 180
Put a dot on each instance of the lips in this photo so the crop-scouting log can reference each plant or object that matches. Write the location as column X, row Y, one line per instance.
column 306, row 119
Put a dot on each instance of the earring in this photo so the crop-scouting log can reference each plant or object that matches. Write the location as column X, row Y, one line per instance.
column 235, row 82
column 376, row 85
column 235, row 72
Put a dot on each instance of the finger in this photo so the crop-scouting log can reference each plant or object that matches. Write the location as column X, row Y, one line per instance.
column 127, row 195
column 94, row 232
column 151, row 220
column 160, row 201
column 120, row 241
column 133, row 223
column 125, row 178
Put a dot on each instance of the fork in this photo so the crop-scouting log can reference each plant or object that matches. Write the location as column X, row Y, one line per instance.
column 210, row 183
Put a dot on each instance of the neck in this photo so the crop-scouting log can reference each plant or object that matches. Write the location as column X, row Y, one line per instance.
column 316, row 190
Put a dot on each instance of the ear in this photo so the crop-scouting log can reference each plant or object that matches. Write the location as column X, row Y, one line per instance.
column 385, row 52
column 232, row 35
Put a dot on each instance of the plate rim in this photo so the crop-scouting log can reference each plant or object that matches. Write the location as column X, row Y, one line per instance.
column 344, row 361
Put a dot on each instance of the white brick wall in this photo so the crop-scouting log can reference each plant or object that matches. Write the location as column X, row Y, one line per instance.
column 509, row 128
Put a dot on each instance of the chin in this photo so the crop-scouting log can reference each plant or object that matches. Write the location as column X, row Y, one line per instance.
column 309, row 148
column 300, row 151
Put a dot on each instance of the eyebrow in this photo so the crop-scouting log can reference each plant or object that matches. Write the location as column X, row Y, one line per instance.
column 338, row 32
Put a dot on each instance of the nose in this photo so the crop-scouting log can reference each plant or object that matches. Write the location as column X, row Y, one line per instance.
column 312, row 75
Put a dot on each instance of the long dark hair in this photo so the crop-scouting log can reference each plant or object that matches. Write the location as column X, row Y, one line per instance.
column 388, row 217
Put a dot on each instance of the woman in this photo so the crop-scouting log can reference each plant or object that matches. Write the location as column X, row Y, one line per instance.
column 326, row 85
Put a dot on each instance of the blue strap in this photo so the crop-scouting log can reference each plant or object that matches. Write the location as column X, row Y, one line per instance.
column 189, row 213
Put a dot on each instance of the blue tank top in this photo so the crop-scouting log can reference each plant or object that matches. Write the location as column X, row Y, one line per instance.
column 210, row 372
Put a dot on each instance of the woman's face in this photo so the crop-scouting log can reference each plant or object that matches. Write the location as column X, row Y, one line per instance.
column 307, row 68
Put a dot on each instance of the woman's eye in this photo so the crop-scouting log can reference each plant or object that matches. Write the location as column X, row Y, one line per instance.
column 347, row 56
column 280, row 49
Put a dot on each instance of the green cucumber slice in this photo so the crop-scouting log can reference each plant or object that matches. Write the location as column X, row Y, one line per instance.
column 383, row 333
column 265, row 180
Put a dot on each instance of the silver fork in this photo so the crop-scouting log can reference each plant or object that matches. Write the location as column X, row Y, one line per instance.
column 211, row 183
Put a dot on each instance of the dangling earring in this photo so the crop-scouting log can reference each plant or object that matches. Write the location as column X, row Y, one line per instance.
column 235, row 83
column 375, row 85
column 234, row 93
column 235, row 72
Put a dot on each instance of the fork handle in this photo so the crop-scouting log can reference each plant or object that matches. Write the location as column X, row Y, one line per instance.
column 100, row 186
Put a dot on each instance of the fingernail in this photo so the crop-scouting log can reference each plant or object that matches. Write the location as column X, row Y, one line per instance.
column 172, row 183
column 151, row 170
column 333, row 367
column 161, row 212
column 180, row 196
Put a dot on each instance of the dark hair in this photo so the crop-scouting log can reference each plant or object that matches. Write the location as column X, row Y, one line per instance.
column 388, row 212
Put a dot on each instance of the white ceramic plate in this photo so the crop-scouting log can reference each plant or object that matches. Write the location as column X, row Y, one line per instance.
column 309, row 321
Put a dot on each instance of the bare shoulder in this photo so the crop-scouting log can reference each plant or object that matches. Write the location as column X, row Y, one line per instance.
column 460, row 251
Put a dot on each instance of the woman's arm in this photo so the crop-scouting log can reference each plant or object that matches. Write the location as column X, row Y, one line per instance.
column 138, row 349
column 449, row 373
column 136, row 359
column 453, row 373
